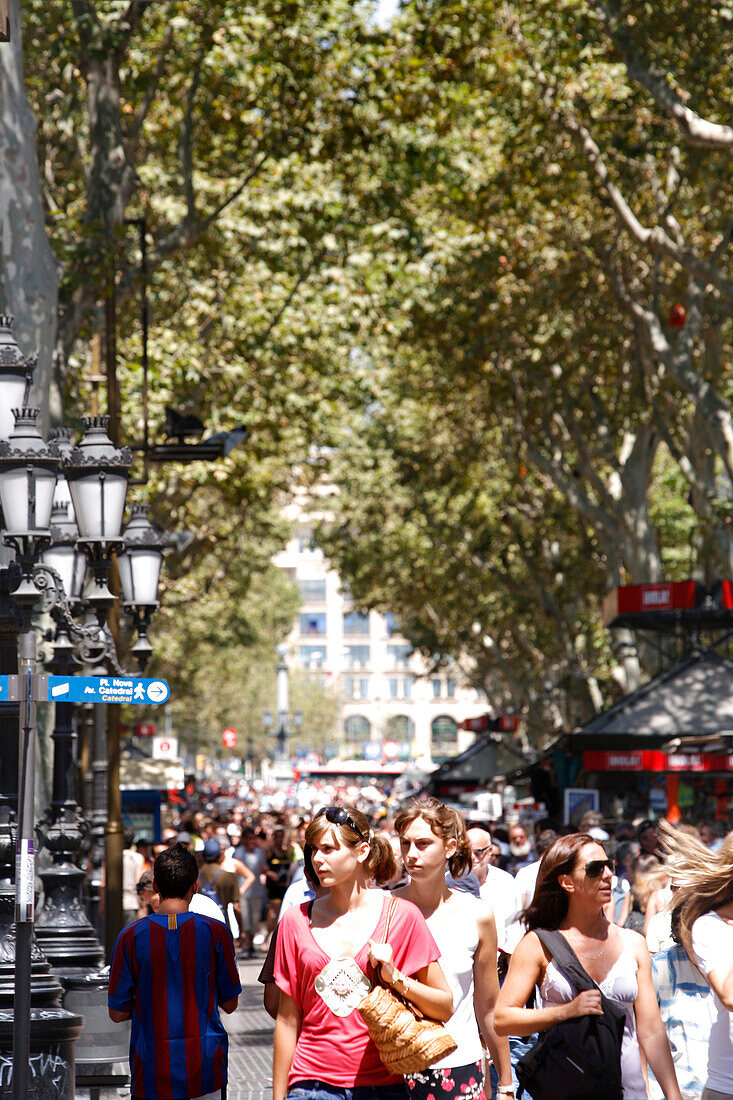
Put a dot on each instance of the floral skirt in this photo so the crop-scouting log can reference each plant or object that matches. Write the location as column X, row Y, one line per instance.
column 453, row 1083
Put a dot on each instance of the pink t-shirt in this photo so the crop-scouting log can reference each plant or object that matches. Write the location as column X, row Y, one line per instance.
column 337, row 1049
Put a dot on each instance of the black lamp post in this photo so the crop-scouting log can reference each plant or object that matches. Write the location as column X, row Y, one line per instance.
column 283, row 714
column 48, row 560
column 28, row 468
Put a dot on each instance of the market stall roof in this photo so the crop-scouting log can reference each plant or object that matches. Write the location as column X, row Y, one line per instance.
column 490, row 755
column 692, row 699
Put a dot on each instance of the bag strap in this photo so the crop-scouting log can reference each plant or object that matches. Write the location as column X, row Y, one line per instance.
column 376, row 972
column 201, row 879
column 571, row 966
column 391, row 909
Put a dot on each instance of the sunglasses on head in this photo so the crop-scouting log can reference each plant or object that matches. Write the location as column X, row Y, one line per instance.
column 337, row 815
column 594, row 867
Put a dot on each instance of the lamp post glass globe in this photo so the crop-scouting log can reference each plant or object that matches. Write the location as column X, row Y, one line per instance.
column 28, row 469
column 64, row 555
column 97, row 474
column 140, row 560
column 15, row 375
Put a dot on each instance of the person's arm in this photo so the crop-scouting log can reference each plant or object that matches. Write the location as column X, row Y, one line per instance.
column 720, row 981
column 486, row 991
column 244, row 872
column 427, row 989
column 525, row 972
column 649, row 1027
column 287, row 1026
column 118, row 1017
column 230, row 1005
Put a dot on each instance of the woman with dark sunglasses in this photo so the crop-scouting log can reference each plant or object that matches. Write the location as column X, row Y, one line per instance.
column 325, row 953
column 572, row 892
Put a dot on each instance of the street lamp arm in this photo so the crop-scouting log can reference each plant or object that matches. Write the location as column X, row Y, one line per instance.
column 92, row 643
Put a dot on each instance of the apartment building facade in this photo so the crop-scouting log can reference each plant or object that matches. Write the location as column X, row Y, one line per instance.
column 391, row 708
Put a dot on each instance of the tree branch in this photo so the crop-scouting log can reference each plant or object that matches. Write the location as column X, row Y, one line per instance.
column 695, row 130
column 656, row 240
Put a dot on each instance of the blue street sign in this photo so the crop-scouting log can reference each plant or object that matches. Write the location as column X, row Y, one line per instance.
column 106, row 689
column 4, row 689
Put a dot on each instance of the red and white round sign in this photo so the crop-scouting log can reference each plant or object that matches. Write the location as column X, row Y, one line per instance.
column 229, row 738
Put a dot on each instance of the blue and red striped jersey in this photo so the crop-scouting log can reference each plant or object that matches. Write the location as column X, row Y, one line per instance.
column 173, row 972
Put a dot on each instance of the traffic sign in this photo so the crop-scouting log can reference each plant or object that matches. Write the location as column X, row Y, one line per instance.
column 165, row 748
column 229, row 738
column 8, row 688
column 106, row 689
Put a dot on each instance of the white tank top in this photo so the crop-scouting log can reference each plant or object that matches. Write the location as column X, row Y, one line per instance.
column 621, row 987
column 455, row 930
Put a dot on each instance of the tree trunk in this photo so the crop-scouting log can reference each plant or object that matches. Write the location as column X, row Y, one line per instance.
column 29, row 272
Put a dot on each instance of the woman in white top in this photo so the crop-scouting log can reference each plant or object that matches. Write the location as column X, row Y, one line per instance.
column 573, row 888
column 703, row 882
column 431, row 836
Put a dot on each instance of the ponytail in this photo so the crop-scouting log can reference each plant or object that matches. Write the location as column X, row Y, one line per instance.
column 381, row 864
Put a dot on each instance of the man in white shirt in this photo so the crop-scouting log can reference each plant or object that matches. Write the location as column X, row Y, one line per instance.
column 526, row 877
column 497, row 887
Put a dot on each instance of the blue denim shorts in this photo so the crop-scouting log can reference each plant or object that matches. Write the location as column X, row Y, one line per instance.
column 319, row 1090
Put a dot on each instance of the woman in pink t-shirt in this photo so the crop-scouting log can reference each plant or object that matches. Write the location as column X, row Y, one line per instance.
column 324, row 953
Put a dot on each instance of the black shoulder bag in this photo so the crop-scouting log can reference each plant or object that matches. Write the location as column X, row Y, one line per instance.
column 580, row 1057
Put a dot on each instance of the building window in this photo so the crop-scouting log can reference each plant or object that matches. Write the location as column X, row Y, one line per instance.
column 357, row 729
column 400, row 727
column 311, row 656
column 393, row 627
column 450, row 687
column 312, row 623
column 400, row 689
column 312, row 590
column 306, row 545
column 436, row 686
column 357, row 656
column 443, row 732
column 356, row 689
column 356, row 623
column 398, row 656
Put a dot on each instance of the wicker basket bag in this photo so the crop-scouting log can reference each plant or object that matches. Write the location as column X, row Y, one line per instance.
column 406, row 1040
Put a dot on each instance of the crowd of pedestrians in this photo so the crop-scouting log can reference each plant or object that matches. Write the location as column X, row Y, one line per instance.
column 452, row 913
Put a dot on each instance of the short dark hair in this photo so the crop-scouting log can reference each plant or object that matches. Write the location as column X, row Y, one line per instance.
column 175, row 871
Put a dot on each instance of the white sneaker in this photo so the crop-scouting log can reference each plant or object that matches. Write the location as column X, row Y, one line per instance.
column 258, row 939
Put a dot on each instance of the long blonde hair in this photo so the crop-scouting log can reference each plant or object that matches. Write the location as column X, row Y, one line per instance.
column 703, row 880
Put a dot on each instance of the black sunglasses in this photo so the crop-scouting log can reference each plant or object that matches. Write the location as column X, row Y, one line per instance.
column 337, row 815
column 594, row 867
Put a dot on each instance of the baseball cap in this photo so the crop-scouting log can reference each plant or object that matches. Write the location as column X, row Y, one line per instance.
column 184, row 838
column 212, row 850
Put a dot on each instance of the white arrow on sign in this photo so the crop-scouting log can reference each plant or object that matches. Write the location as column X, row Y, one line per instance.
column 157, row 691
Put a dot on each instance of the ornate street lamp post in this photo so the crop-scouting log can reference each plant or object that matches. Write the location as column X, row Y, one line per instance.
column 48, row 563
column 282, row 768
column 28, row 469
